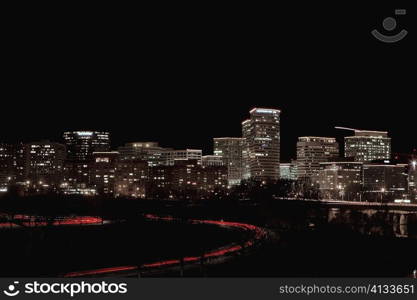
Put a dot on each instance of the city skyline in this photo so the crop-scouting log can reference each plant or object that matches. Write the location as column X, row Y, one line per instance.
column 275, row 145
column 87, row 164
column 179, row 136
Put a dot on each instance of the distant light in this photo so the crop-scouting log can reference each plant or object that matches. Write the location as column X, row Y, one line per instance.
column 85, row 133
column 265, row 111
column 402, row 201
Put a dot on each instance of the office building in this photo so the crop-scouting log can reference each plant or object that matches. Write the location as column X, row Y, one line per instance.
column 6, row 166
column 230, row 149
column 342, row 178
column 387, row 178
column 412, row 179
column 187, row 179
column 170, row 156
column 288, row 171
column 150, row 152
column 212, row 161
column 367, row 145
column 311, row 151
column 262, row 142
column 13, row 165
column 81, row 144
column 80, row 148
column 103, row 172
column 45, row 163
column 76, row 176
column 131, row 178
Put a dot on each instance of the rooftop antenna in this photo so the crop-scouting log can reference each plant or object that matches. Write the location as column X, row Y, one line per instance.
column 346, row 128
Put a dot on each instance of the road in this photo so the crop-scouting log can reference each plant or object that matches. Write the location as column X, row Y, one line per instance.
column 216, row 256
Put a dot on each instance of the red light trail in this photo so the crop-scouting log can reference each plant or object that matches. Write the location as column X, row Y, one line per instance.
column 30, row 221
column 258, row 232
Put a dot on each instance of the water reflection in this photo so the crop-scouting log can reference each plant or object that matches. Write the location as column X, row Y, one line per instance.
column 376, row 222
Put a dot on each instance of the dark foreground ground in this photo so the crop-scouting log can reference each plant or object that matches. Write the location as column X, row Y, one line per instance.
column 57, row 250
column 311, row 241
column 329, row 251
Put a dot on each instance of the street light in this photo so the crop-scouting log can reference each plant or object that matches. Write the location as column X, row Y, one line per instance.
column 341, row 191
column 382, row 192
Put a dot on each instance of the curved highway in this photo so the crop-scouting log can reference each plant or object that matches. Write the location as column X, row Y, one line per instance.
column 32, row 221
column 218, row 255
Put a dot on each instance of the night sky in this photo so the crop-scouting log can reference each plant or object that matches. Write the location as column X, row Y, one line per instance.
column 182, row 79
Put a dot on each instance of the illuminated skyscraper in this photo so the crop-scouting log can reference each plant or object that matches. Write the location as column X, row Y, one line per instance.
column 262, row 135
column 367, row 145
column 80, row 148
column 149, row 152
column 45, row 162
column 81, row 144
column 103, row 172
column 7, row 169
column 230, row 149
column 311, row 151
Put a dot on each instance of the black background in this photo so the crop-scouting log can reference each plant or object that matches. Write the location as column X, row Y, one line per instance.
column 182, row 75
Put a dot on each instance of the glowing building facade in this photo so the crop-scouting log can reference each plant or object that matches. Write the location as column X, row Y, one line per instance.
column 367, row 146
column 262, row 142
column 311, row 151
column 131, row 178
column 212, row 161
column 288, row 171
column 103, row 172
column 81, row 144
column 80, row 147
column 7, row 169
column 188, row 179
column 150, row 152
column 170, row 156
column 45, row 164
column 230, row 149
column 340, row 177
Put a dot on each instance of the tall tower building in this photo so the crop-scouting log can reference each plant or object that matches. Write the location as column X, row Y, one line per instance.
column 45, row 163
column 103, row 172
column 82, row 144
column 230, row 149
column 7, row 169
column 80, row 148
column 13, row 165
column 262, row 135
column 367, row 145
column 311, row 151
